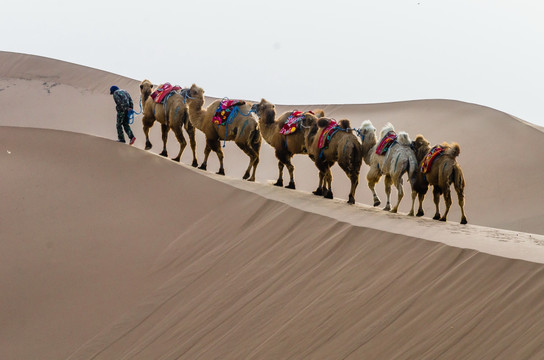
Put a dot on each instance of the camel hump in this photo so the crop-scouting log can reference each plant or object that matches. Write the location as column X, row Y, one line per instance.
column 403, row 138
column 323, row 122
column 453, row 150
column 319, row 113
column 344, row 124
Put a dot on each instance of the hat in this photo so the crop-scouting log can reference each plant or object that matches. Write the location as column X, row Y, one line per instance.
column 113, row 89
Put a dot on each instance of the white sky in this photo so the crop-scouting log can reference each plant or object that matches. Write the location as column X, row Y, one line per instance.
column 489, row 52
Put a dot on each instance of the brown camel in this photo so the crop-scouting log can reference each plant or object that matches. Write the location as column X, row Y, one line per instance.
column 398, row 160
column 285, row 146
column 243, row 130
column 443, row 172
column 174, row 117
column 343, row 148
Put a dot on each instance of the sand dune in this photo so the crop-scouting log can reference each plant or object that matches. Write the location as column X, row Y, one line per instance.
column 112, row 252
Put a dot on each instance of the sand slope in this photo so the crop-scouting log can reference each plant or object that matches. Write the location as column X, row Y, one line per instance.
column 111, row 252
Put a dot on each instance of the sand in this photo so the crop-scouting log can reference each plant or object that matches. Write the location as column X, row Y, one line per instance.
column 113, row 252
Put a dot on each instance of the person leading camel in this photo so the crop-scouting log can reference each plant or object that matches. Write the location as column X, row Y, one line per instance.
column 439, row 168
column 285, row 134
column 329, row 142
column 123, row 105
column 240, row 126
column 172, row 114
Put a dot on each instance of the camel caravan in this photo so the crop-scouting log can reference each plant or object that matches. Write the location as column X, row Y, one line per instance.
column 323, row 139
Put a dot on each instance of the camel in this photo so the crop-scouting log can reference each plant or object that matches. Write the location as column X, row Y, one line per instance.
column 285, row 146
column 343, row 148
column 397, row 161
column 174, row 117
column 443, row 172
column 243, row 130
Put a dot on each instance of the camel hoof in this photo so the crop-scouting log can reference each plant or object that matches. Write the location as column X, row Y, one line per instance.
column 420, row 213
column 252, row 179
column 318, row 192
column 436, row 217
column 164, row 153
column 148, row 145
column 377, row 202
column 387, row 208
column 195, row 163
column 279, row 182
column 203, row 167
column 221, row 172
column 442, row 219
column 464, row 220
column 394, row 211
column 246, row 175
column 175, row 159
column 411, row 213
column 291, row 185
column 328, row 195
column 351, row 200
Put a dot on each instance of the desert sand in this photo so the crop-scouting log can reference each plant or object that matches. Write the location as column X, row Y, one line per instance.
column 112, row 252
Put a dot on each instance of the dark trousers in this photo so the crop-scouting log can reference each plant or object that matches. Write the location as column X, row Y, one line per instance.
column 122, row 123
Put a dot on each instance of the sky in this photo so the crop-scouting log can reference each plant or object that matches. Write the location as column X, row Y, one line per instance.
column 302, row 52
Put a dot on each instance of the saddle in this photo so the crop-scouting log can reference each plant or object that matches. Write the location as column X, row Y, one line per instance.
column 435, row 152
column 388, row 140
column 327, row 134
column 226, row 111
column 162, row 91
column 290, row 125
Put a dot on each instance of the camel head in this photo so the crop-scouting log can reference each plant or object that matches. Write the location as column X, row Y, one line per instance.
column 196, row 92
column 421, row 147
column 146, row 88
column 265, row 110
column 367, row 132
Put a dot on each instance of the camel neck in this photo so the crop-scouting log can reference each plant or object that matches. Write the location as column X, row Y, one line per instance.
column 196, row 113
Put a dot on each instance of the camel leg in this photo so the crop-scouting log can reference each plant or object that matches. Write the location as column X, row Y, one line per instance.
column 414, row 195
column 215, row 145
column 319, row 190
column 354, row 182
column 447, row 200
column 400, row 193
column 182, row 142
column 253, row 160
column 372, row 177
column 461, row 198
column 436, row 199
column 388, row 182
column 191, row 132
column 328, row 184
column 279, row 182
column 147, row 124
column 164, row 132
column 285, row 158
column 421, row 197
column 207, row 150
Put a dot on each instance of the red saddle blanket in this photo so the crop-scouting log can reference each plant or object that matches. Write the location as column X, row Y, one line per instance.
column 430, row 157
column 290, row 125
column 327, row 134
column 163, row 90
column 226, row 110
column 388, row 140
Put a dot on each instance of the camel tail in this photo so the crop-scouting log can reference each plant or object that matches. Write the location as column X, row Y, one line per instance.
column 356, row 158
column 411, row 168
column 403, row 138
column 458, row 179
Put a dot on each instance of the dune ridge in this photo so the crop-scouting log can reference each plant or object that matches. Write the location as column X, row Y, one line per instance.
column 112, row 252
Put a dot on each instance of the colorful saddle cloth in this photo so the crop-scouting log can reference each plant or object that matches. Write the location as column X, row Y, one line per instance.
column 226, row 111
column 163, row 90
column 430, row 157
column 327, row 134
column 388, row 140
column 290, row 125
